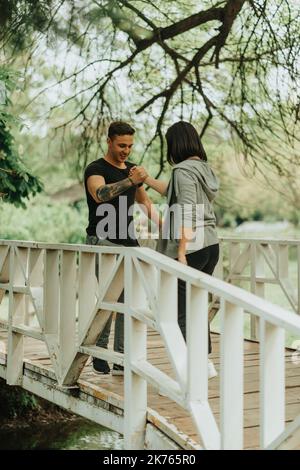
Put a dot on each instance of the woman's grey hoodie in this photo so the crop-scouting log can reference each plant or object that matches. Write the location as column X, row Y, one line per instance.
column 193, row 186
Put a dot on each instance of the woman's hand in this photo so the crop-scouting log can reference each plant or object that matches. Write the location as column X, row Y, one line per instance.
column 157, row 185
column 182, row 259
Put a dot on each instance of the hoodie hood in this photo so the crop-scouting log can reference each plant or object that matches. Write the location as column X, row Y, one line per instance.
column 204, row 174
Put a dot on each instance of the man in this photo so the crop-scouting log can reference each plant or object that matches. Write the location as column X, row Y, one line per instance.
column 108, row 185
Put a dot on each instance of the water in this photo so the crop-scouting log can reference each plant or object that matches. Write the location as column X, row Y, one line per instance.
column 78, row 434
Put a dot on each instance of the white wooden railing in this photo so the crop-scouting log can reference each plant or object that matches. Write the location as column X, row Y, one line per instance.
column 72, row 305
column 255, row 263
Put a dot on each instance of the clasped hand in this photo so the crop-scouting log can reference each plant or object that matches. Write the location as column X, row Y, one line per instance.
column 138, row 174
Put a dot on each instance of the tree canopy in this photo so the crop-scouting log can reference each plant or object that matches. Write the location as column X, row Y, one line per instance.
column 16, row 182
column 231, row 65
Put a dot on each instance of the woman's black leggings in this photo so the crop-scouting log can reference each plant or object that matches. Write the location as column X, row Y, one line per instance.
column 204, row 260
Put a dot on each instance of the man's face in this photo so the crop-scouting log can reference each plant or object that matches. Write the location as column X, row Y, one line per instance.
column 120, row 147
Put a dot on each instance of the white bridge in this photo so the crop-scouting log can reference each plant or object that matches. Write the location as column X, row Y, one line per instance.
column 56, row 299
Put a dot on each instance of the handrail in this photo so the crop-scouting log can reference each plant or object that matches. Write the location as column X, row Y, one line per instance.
column 257, row 263
column 284, row 241
column 246, row 300
column 72, row 303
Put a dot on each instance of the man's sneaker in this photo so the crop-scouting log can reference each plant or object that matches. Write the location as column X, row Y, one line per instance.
column 100, row 366
column 211, row 370
column 117, row 370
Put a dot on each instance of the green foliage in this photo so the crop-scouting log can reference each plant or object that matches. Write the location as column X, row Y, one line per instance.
column 19, row 19
column 44, row 221
column 58, row 155
column 15, row 402
column 225, row 219
column 16, row 182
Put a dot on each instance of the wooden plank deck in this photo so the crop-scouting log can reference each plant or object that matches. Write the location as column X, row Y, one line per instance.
column 106, row 386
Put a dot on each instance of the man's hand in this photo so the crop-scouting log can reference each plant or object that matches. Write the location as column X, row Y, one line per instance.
column 138, row 174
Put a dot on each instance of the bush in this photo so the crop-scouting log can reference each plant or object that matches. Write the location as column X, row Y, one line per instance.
column 15, row 402
column 44, row 221
column 228, row 221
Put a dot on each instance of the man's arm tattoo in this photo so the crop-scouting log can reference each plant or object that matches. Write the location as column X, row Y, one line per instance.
column 109, row 191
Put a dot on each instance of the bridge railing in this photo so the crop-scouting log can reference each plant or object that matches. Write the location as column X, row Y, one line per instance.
column 74, row 288
column 254, row 264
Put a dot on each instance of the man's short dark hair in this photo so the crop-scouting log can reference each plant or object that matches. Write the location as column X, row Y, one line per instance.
column 120, row 128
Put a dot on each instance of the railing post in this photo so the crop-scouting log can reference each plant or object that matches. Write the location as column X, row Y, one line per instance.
column 272, row 382
column 283, row 261
column 219, row 269
column 15, row 349
column 233, row 253
column 35, row 283
column 51, row 304
column 197, row 342
column 232, row 381
column 135, row 350
column 298, row 272
column 197, row 386
column 86, row 289
column 4, row 264
column 4, row 269
column 67, row 318
column 167, row 317
column 257, row 286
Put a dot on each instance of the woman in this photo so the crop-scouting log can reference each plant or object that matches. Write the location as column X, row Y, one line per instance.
column 192, row 185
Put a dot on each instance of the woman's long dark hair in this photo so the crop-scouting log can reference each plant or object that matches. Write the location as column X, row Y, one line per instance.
column 183, row 142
